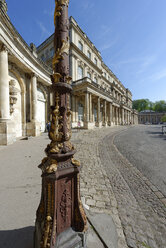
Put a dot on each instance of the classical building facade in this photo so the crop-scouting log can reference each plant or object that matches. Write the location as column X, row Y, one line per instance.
column 150, row 117
column 24, row 85
column 99, row 98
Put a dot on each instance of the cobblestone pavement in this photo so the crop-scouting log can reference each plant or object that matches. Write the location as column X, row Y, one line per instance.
column 111, row 184
column 144, row 146
column 96, row 189
column 142, row 212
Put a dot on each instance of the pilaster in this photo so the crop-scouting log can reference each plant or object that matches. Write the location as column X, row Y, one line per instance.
column 86, row 121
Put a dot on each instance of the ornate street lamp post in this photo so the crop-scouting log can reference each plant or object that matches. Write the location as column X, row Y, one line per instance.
column 60, row 218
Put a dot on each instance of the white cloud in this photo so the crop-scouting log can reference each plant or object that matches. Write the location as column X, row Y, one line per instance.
column 86, row 5
column 43, row 28
column 158, row 75
column 50, row 13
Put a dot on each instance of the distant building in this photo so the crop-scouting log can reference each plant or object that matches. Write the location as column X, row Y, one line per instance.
column 99, row 98
column 150, row 117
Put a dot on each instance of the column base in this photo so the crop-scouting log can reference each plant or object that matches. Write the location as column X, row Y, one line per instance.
column 33, row 128
column 98, row 124
column 89, row 125
column 7, row 133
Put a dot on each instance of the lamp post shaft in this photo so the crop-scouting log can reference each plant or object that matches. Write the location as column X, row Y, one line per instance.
column 60, row 214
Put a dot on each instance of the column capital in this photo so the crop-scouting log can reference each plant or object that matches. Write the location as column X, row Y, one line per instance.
column 3, row 47
column 33, row 74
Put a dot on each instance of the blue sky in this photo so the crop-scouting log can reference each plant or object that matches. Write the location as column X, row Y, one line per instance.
column 130, row 34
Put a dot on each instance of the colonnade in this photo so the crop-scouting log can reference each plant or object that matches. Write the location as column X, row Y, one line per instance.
column 98, row 111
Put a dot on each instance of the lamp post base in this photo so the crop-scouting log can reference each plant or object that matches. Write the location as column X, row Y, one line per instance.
column 60, row 218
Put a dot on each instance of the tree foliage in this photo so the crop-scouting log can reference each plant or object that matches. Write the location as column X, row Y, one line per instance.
column 163, row 119
column 145, row 104
column 142, row 104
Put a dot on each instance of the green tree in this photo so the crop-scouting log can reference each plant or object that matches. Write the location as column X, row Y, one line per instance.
column 163, row 119
column 160, row 106
column 142, row 104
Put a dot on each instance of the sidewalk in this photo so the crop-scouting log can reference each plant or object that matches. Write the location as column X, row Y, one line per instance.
column 20, row 187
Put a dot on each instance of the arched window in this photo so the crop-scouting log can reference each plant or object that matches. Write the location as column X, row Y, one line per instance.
column 80, row 72
column 80, row 46
column 88, row 75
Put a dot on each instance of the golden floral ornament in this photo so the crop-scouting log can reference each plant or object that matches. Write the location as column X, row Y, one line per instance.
column 59, row 53
column 57, row 77
column 75, row 162
column 47, row 231
column 68, row 79
column 58, row 8
column 48, row 165
column 55, row 134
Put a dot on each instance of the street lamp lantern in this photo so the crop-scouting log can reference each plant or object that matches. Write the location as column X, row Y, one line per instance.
column 60, row 217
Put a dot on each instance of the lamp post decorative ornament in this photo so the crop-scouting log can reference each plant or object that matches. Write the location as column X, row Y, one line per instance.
column 60, row 218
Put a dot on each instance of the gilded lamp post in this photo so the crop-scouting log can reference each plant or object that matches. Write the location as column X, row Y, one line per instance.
column 60, row 218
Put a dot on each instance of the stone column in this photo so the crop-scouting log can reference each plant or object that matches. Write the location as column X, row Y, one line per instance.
column 110, row 114
column 128, row 117
column 4, row 85
column 33, row 128
column 34, row 97
column 98, row 111
column 117, row 116
column 122, row 116
column 105, row 113
column 113, row 114
column 90, row 107
column 7, row 128
column 86, row 121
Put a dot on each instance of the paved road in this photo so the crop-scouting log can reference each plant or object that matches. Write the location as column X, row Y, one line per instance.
column 145, row 147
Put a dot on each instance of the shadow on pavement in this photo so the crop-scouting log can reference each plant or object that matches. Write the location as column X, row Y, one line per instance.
column 18, row 238
column 157, row 134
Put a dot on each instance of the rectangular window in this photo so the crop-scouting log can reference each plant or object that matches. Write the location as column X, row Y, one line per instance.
column 89, row 54
column 80, row 72
column 88, row 75
column 95, row 61
column 51, row 52
column 80, row 46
